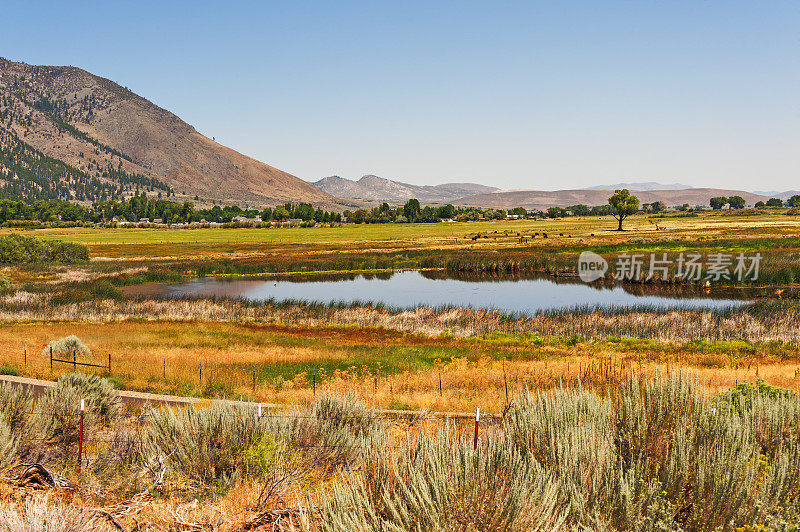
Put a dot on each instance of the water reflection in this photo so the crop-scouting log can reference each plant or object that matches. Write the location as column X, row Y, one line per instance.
column 517, row 294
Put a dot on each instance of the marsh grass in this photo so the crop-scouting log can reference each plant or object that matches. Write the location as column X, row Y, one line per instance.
column 390, row 369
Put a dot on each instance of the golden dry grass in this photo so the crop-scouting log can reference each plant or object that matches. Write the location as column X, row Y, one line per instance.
column 391, row 369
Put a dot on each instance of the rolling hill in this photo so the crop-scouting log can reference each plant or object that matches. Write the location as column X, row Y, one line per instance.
column 541, row 199
column 648, row 185
column 69, row 134
column 371, row 188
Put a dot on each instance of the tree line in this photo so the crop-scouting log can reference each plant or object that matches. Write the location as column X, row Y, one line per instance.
column 140, row 208
column 738, row 202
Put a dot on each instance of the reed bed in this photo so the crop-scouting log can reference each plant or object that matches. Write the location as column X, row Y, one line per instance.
column 759, row 322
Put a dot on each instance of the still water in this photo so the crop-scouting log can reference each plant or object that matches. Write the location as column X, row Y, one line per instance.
column 413, row 289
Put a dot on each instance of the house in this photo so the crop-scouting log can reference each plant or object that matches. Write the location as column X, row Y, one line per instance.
column 245, row 219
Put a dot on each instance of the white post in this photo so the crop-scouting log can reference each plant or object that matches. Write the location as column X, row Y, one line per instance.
column 259, row 410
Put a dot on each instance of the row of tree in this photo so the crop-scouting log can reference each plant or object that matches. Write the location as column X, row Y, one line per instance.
column 620, row 205
column 738, row 202
column 139, row 208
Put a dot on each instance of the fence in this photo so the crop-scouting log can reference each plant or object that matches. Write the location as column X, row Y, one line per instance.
column 441, row 386
column 90, row 442
column 74, row 362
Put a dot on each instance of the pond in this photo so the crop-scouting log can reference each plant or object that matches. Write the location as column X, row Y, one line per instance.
column 411, row 289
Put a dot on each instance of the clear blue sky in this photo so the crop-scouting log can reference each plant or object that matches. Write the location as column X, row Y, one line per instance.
column 556, row 94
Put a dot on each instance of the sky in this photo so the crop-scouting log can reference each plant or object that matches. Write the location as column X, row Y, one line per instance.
column 519, row 95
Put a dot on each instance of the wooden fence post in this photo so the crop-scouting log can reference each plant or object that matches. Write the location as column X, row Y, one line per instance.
column 109, row 363
column 25, row 348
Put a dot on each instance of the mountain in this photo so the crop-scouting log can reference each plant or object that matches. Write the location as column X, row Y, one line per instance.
column 66, row 133
column 649, row 185
column 372, row 188
column 780, row 195
column 535, row 199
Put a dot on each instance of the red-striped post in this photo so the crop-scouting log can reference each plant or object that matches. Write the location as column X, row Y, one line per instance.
column 80, row 441
column 477, row 421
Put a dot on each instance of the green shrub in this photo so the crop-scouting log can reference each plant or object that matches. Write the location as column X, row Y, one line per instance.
column 67, row 348
column 334, row 432
column 8, row 444
column 19, row 249
column 658, row 455
column 205, row 445
column 742, row 394
column 16, row 404
column 6, row 286
column 5, row 369
column 442, row 484
column 58, row 409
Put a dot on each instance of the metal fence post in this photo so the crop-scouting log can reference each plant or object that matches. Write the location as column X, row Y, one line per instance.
column 477, row 420
column 51, row 357
column 109, row 363
column 80, row 441
column 505, row 381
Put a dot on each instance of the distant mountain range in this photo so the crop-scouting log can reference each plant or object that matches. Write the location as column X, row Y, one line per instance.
column 68, row 134
column 542, row 199
column 649, row 185
column 372, row 188
column 780, row 195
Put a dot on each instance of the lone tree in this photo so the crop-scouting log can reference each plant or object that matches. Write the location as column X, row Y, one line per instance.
column 794, row 201
column 718, row 202
column 736, row 202
column 623, row 204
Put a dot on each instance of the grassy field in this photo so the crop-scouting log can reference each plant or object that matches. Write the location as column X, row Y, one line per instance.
column 391, row 369
column 395, row 360
column 586, row 232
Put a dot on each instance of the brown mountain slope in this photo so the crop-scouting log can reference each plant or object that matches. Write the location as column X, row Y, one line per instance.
column 158, row 143
column 542, row 199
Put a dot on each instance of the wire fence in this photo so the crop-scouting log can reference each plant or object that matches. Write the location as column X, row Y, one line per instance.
column 82, row 442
